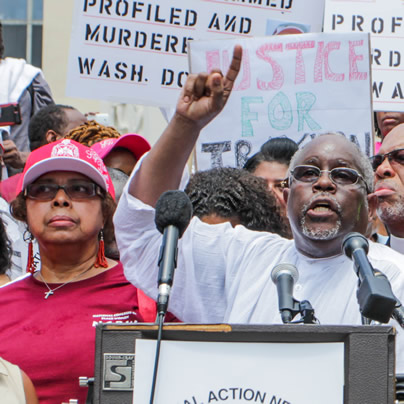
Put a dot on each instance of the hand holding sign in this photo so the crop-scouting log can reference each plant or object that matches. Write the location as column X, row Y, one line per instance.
column 205, row 95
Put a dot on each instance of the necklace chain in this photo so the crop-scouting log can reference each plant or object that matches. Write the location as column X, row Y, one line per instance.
column 51, row 291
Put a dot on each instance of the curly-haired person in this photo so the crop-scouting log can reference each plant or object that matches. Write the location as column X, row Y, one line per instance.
column 232, row 195
column 92, row 132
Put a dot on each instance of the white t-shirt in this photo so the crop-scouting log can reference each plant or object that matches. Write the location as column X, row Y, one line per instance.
column 397, row 243
column 224, row 273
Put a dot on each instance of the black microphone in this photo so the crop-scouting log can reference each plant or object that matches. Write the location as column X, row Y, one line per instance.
column 284, row 276
column 173, row 214
column 356, row 247
column 375, row 298
column 398, row 312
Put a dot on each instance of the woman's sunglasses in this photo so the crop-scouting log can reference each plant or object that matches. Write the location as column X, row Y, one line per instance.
column 76, row 191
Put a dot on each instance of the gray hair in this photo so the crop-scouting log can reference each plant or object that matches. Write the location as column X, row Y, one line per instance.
column 364, row 165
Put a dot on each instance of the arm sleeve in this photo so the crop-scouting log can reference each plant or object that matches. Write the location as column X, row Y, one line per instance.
column 42, row 96
column 42, row 93
column 198, row 293
column 217, row 265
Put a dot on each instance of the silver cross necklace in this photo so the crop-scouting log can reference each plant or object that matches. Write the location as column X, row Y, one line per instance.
column 51, row 291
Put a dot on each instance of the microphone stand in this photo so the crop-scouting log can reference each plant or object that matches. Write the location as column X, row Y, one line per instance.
column 173, row 214
column 306, row 311
column 159, row 320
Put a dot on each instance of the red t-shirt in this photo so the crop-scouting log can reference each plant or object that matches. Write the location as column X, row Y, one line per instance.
column 53, row 340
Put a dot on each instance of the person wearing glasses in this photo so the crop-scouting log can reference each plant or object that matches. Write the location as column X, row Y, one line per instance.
column 224, row 273
column 272, row 163
column 48, row 317
column 388, row 165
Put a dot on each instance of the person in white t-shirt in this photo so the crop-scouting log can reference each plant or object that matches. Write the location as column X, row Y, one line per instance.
column 224, row 273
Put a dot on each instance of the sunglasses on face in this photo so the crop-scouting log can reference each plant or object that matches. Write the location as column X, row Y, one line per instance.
column 75, row 191
column 338, row 175
column 395, row 156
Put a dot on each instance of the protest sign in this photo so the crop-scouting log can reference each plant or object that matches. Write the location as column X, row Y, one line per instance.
column 385, row 23
column 131, row 51
column 293, row 85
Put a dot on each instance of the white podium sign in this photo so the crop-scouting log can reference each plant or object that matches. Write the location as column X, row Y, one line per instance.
column 233, row 372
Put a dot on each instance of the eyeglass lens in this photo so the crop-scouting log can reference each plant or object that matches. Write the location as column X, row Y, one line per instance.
column 340, row 175
column 47, row 191
column 395, row 156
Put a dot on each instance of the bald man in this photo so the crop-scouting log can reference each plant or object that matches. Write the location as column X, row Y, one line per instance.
column 388, row 165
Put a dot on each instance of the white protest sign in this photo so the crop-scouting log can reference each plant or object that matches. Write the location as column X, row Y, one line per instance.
column 131, row 51
column 293, row 85
column 212, row 372
column 384, row 20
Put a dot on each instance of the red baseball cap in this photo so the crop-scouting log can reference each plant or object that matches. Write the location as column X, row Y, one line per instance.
column 66, row 155
column 133, row 142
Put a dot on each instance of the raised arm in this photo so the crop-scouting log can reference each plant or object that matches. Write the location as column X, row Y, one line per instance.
column 202, row 99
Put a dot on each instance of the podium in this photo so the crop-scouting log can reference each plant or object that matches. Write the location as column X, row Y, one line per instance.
column 368, row 354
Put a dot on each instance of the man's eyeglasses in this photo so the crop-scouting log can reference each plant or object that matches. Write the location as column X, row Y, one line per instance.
column 75, row 191
column 338, row 175
column 395, row 156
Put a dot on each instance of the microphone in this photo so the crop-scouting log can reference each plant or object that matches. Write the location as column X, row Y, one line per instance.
column 398, row 312
column 375, row 298
column 356, row 247
column 284, row 276
column 173, row 214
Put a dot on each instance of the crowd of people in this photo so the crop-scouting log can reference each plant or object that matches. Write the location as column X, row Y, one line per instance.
column 79, row 245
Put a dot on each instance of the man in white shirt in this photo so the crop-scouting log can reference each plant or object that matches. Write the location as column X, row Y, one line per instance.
column 224, row 273
column 389, row 185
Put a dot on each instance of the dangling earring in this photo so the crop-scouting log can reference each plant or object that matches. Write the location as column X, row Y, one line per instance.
column 31, row 262
column 101, row 261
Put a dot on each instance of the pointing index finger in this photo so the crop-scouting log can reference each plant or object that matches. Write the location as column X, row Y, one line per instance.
column 234, row 68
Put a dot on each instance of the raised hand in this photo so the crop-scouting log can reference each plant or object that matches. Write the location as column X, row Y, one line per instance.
column 205, row 95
